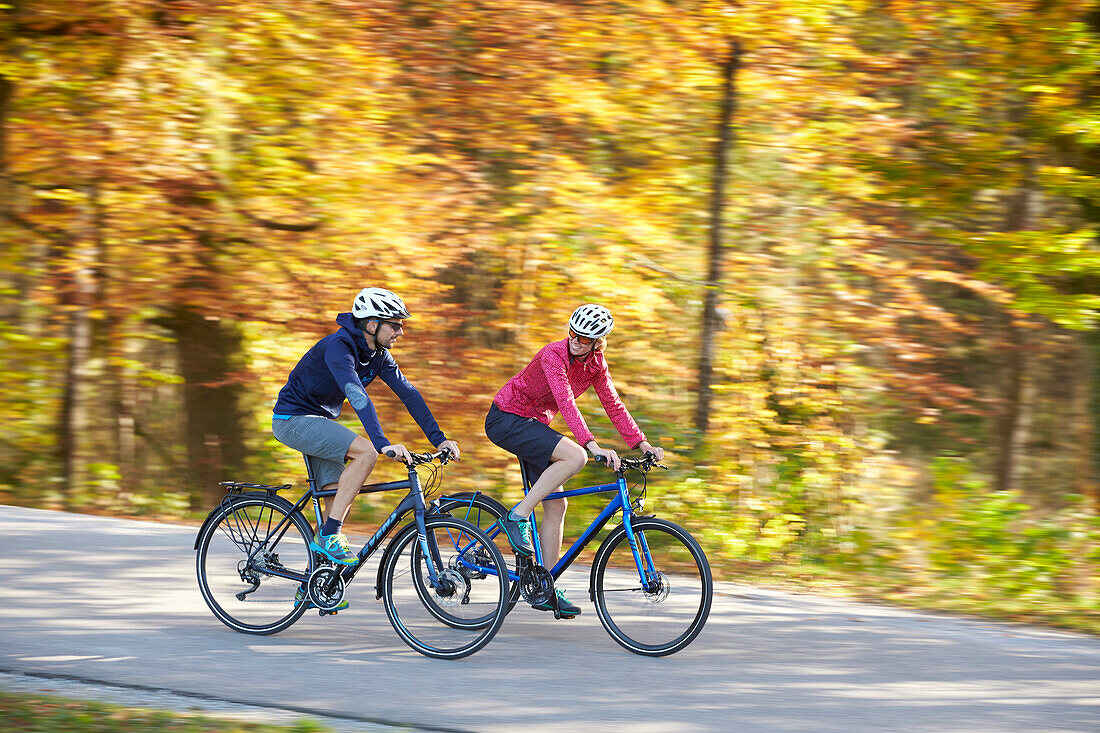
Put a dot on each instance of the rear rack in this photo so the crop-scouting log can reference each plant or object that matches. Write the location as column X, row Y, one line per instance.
column 236, row 487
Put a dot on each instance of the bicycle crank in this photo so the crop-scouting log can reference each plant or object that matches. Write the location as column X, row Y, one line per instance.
column 536, row 584
column 326, row 588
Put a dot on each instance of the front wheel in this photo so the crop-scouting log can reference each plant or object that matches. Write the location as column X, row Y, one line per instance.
column 662, row 607
column 460, row 611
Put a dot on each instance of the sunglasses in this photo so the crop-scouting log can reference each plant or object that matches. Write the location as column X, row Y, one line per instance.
column 396, row 326
column 582, row 340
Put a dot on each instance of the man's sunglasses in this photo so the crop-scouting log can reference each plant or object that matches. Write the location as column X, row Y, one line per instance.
column 396, row 326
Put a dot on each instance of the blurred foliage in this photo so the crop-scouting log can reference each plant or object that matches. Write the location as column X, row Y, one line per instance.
column 189, row 193
column 47, row 714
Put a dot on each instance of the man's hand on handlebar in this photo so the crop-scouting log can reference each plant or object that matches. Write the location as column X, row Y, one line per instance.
column 398, row 453
column 451, row 446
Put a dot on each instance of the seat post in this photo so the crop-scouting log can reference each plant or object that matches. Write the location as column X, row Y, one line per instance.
column 312, row 480
column 524, row 477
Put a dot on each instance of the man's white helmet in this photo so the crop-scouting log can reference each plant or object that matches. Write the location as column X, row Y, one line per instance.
column 378, row 303
column 591, row 320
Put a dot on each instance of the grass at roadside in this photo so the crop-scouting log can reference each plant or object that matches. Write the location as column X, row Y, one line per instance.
column 921, row 594
column 21, row 712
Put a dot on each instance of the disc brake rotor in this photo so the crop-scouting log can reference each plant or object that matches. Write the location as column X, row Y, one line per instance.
column 456, row 586
column 658, row 587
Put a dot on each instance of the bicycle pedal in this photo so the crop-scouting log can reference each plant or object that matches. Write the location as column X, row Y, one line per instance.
column 559, row 616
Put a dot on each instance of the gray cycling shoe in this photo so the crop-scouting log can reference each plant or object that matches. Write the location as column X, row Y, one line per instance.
column 518, row 532
column 565, row 608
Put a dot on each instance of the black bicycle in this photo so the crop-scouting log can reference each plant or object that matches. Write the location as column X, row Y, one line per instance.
column 258, row 575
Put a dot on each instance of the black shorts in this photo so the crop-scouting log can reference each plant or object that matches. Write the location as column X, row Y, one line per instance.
column 531, row 441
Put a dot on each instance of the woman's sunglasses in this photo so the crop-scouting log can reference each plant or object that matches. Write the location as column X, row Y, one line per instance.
column 582, row 340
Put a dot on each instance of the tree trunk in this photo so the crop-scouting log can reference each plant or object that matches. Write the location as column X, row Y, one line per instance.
column 12, row 308
column 73, row 423
column 712, row 322
column 208, row 353
column 1017, row 399
column 7, row 95
column 1086, row 404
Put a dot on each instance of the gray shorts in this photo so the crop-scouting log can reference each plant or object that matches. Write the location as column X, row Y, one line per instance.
column 324, row 441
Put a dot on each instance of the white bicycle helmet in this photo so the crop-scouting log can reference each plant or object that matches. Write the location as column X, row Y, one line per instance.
column 591, row 320
column 378, row 303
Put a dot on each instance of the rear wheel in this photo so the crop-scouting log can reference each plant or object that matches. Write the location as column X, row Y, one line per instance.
column 463, row 609
column 243, row 557
column 666, row 610
column 483, row 512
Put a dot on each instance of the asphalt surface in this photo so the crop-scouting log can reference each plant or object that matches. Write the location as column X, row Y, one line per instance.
column 111, row 606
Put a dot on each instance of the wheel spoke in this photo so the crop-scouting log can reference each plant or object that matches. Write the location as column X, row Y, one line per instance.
column 667, row 612
column 230, row 562
column 463, row 611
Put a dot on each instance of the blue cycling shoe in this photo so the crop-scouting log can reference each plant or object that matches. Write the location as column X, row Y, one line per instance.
column 335, row 547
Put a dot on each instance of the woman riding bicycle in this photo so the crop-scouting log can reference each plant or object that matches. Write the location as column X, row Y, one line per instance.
column 519, row 422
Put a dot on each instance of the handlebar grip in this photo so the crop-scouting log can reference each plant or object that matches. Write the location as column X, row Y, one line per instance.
column 391, row 453
column 601, row 459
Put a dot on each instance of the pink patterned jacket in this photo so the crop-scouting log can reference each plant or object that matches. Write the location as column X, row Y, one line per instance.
column 548, row 384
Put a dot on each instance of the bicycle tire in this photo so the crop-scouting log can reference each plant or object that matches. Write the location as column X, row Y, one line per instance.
column 228, row 537
column 417, row 620
column 484, row 511
column 666, row 616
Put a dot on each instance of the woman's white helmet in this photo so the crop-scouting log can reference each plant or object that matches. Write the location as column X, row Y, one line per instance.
column 378, row 303
column 591, row 320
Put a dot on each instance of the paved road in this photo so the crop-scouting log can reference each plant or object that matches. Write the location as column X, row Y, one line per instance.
column 115, row 601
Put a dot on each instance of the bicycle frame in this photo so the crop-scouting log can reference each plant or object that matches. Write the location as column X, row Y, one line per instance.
column 413, row 501
column 619, row 502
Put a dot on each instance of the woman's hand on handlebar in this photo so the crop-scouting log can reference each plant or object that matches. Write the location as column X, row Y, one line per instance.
column 398, row 453
column 451, row 446
column 657, row 451
column 609, row 456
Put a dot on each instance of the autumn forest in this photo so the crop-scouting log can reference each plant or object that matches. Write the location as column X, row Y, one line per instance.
column 850, row 245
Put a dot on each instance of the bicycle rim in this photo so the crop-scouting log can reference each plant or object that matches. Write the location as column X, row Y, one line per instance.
column 463, row 615
column 225, row 572
column 665, row 615
column 483, row 512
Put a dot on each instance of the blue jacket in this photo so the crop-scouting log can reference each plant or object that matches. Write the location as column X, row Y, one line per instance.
column 338, row 367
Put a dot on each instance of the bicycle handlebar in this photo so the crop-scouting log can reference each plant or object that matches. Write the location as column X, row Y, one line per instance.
column 644, row 464
column 444, row 456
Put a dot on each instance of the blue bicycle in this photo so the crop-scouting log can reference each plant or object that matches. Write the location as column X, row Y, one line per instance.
column 650, row 580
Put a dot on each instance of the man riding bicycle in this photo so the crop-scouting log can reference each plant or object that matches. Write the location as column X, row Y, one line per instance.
column 339, row 367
